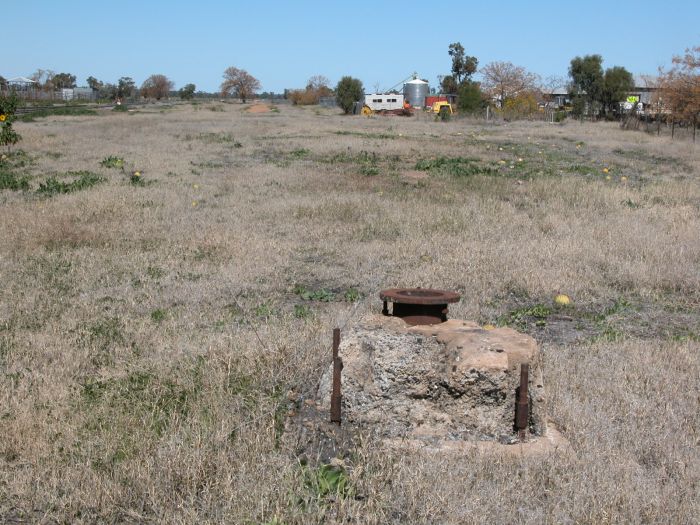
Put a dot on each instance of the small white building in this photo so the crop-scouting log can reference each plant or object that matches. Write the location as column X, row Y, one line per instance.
column 389, row 102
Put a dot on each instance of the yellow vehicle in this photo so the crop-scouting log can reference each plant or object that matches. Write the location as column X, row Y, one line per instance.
column 442, row 105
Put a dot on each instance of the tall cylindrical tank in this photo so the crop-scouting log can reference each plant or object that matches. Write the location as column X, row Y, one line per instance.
column 415, row 92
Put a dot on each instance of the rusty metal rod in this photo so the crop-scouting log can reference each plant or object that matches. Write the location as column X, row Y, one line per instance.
column 522, row 406
column 337, row 367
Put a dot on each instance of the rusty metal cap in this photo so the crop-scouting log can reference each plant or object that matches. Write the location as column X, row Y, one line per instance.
column 419, row 296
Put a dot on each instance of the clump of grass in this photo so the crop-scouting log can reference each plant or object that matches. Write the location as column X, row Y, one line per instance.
column 455, row 166
column 113, row 162
column 380, row 136
column 216, row 138
column 351, row 295
column 158, row 315
column 520, row 316
column 300, row 153
column 321, row 295
column 368, row 162
column 136, row 179
column 84, row 179
column 302, row 311
column 11, row 181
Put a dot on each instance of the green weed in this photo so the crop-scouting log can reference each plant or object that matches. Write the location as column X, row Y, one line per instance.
column 85, row 179
column 351, row 295
column 321, row 295
column 328, row 480
column 520, row 316
column 154, row 272
column 264, row 310
column 455, row 166
column 300, row 153
column 113, row 162
column 158, row 315
column 10, row 181
column 302, row 311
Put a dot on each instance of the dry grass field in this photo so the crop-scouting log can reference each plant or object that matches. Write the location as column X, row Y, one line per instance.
column 156, row 330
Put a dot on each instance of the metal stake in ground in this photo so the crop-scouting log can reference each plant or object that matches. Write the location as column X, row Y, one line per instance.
column 522, row 405
column 337, row 367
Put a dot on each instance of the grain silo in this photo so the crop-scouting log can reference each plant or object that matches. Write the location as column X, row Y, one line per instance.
column 415, row 92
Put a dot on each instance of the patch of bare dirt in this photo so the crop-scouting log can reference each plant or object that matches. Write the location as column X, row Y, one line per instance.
column 259, row 108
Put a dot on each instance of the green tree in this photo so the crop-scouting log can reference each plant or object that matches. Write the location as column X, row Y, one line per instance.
column 448, row 84
column 587, row 80
column 617, row 83
column 63, row 80
column 108, row 91
column 240, row 83
column 463, row 66
column 187, row 91
column 348, row 91
column 469, row 97
column 126, row 87
column 94, row 84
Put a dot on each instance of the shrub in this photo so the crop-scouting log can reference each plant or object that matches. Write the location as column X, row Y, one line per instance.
column 187, row 91
column 469, row 97
column 521, row 106
column 348, row 91
column 8, row 107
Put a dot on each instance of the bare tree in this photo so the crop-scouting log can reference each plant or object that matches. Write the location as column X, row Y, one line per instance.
column 240, row 83
column 505, row 80
column 43, row 79
column 320, row 84
column 157, row 86
column 680, row 88
column 549, row 85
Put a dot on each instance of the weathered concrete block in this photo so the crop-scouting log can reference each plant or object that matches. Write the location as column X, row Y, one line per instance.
column 451, row 381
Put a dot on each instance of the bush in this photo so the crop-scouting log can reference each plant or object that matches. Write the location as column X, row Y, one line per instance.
column 187, row 91
column 8, row 107
column 522, row 106
column 348, row 91
column 469, row 97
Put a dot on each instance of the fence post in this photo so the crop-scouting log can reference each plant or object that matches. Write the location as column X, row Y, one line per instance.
column 337, row 368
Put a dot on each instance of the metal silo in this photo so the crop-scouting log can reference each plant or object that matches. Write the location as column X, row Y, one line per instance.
column 415, row 92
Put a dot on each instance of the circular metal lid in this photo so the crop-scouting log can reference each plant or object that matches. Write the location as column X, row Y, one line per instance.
column 418, row 296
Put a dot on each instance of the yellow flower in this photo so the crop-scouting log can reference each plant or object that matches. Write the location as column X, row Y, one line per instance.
column 2, row 118
column 623, row 178
column 137, row 174
column 562, row 300
column 605, row 170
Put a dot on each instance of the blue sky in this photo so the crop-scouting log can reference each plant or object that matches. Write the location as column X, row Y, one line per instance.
column 285, row 43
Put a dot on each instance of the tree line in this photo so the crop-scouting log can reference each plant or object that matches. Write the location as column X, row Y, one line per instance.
column 507, row 88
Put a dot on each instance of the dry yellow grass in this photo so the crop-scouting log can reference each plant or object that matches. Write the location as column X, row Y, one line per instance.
column 149, row 335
